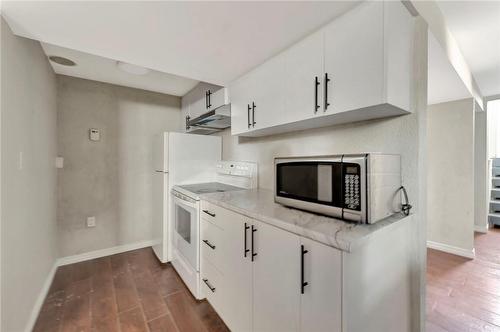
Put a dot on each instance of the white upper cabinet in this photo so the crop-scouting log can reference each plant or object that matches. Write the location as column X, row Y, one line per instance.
column 217, row 98
column 257, row 98
column 268, row 95
column 241, row 104
column 356, row 68
column 354, row 59
column 200, row 99
column 185, row 103
column 304, row 64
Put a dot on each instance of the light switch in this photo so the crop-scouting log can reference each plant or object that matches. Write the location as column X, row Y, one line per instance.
column 94, row 134
column 91, row 222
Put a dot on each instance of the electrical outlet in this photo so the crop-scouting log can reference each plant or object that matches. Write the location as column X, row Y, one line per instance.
column 90, row 221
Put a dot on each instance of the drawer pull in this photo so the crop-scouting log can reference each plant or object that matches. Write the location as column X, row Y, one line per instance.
column 316, row 84
column 209, row 244
column 208, row 285
column 326, row 92
column 253, row 248
column 209, row 213
column 303, row 283
column 245, row 250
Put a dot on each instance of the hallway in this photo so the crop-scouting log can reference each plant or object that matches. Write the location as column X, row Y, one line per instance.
column 463, row 294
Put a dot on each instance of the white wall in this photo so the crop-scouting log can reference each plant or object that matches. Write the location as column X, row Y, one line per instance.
column 481, row 197
column 493, row 110
column 431, row 13
column 29, row 242
column 109, row 179
column 451, row 175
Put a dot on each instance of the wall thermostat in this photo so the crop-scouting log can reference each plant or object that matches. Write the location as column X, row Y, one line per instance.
column 94, row 134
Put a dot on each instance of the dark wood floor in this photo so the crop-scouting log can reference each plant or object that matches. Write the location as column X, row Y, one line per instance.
column 463, row 294
column 126, row 292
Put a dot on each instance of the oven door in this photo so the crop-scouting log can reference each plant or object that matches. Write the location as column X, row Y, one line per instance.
column 186, row 230
column 311, row 184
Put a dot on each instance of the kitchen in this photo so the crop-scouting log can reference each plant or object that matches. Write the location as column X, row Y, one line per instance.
column 281, row 198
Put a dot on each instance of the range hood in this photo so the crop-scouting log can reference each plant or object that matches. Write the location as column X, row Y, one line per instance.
column 211, row 121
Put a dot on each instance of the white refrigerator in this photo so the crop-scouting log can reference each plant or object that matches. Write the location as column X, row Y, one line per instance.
column 178, row 158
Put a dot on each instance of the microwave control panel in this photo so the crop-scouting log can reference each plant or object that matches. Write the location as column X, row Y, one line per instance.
column 352, row 186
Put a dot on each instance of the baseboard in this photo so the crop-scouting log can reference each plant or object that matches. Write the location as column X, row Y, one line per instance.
column 452, row 250
column 481, row 229
column 41, row 298
column 102, row 253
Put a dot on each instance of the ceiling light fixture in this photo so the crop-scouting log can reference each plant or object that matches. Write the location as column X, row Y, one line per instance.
column 62, row 61
column 132, row 69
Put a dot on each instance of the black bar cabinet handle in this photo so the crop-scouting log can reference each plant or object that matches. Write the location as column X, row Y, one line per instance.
column 206, row 99
column 302, row 282
column 209, row 213
column 248, row 115
column 209, row 99
column 209, row 244
column 245, row 250
column 326, row 92
column 253, row 114
column 208, row 285
column 253, row 248
column 316, row 84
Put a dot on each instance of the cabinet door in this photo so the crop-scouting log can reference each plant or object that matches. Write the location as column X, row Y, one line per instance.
column 268, row 93
column 185, row 102
column 276, row 279
column 240, row 94
column 238, row 274
column 218, row 98
column 354, row 58
column 200, row 102
column 304, row 78
column 321, row 301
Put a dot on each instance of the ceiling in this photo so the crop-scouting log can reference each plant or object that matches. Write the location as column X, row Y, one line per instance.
column 214, row 42
column 476, row 28
column 106, row 70
column 444, row 84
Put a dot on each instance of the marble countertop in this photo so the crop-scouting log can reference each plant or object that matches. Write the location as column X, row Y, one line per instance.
column 259, row 204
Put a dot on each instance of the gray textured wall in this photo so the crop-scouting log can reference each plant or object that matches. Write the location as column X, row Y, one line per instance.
column 393, row 135
column 29, row 237
column 109, row 179
column 450, row 218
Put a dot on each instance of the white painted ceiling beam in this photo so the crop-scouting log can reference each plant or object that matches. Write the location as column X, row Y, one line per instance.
column 431, row 13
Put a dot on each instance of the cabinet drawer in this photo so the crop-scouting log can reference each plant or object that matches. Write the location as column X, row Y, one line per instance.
column 217, row 215
column 212, row 286
column 211, row 243
column 208, row 212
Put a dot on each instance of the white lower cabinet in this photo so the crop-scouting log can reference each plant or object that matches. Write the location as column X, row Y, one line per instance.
column 276, row 279
column 321, row 300
column 228, row 252
column 256, row 276
column 237, row 273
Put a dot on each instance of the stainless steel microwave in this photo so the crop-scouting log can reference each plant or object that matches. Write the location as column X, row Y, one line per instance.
column 363, row 188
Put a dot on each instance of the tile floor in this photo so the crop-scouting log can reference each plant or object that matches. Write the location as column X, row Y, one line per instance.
column 125, row 292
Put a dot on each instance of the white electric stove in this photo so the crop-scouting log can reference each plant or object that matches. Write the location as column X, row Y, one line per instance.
column 230, row 176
